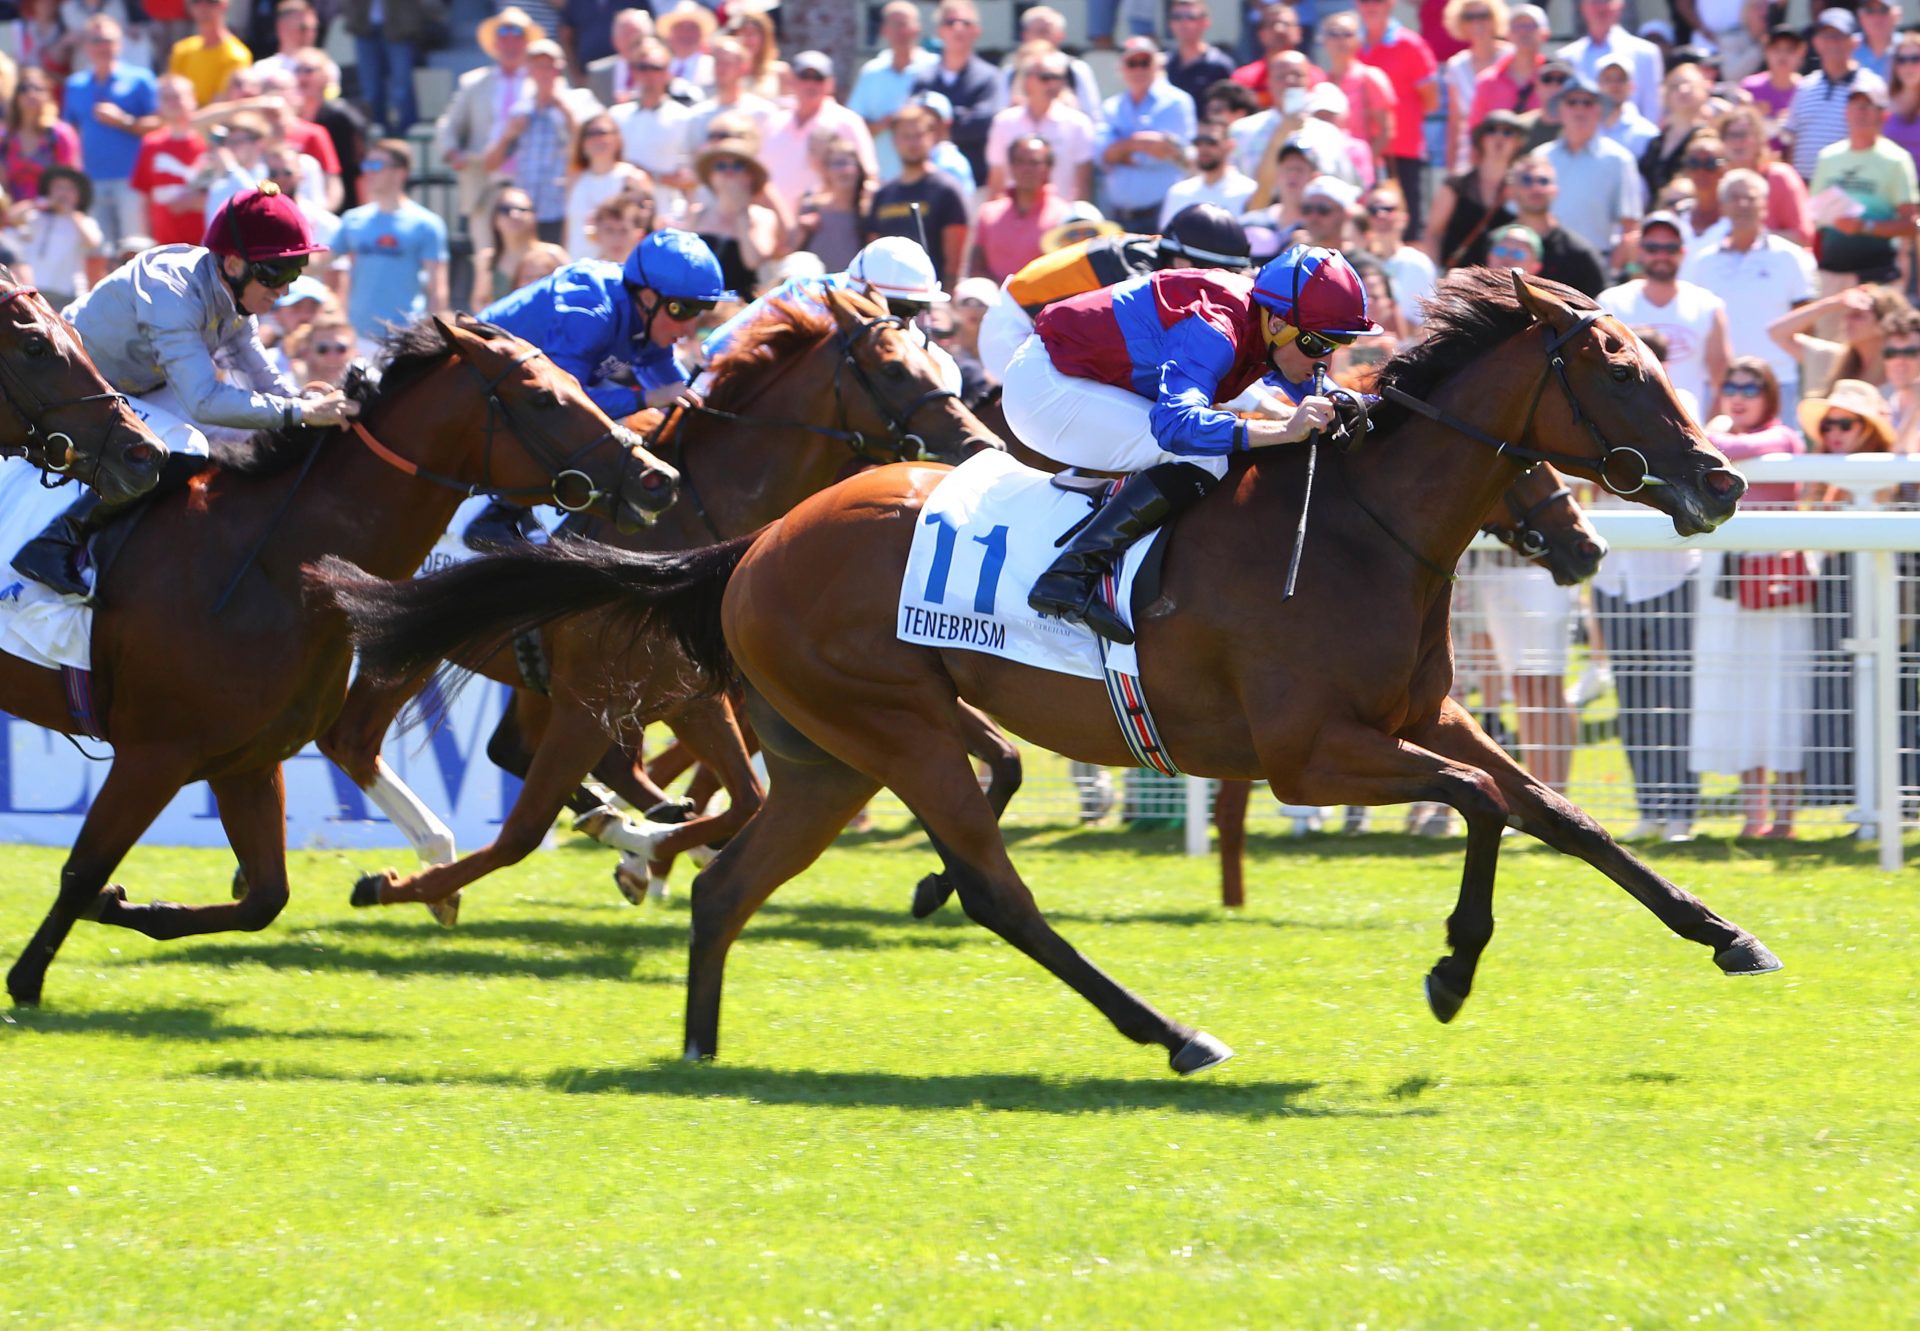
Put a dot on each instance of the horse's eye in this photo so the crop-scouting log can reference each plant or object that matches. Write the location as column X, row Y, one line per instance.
column 896, row 369
column 1622, row 373
column 38, row 345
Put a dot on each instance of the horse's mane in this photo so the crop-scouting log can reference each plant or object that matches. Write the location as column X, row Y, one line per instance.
column 783, row 329
column 1470, row 313
column 405, row 355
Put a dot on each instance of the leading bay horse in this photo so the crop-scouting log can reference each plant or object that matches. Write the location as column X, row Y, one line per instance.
column 802, row 399
column 1338, row 696
column 57, row 411
column 210, row 664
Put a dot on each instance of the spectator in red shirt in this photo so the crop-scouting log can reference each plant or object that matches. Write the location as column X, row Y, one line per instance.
column 36, row 137
column 1371, row 100
column 1512, row 81
column 1406, row 59
column 1278, row 30
column 165, row 169
column 1007, row 233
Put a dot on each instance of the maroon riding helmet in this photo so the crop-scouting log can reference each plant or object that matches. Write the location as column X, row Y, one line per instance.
column 268, row 230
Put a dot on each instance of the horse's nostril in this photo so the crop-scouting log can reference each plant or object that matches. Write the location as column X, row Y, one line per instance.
column 653, row 480
column 1725, row 484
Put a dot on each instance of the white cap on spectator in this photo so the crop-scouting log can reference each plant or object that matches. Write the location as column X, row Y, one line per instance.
column 935, row 102
column 983, row 289
column 1333, row 188
column 813, row 62
column 1534, row 12
column 549, row 48
column 1326, row 99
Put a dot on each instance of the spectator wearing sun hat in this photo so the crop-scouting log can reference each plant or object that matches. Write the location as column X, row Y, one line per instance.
column 686, row 29
column 481, row 104
column 743, row 235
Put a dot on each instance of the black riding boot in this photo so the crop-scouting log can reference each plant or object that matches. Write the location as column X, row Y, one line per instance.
column 1145, row 500
column 52, row 558
column 500, row 526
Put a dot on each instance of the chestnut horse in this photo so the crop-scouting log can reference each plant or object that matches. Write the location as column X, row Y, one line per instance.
column 802, row 399
column 195, row 684
column 1338, row 696
column 1538, row 519
column 58, row 413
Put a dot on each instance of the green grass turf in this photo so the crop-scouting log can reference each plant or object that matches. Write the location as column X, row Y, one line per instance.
column 356, row 1119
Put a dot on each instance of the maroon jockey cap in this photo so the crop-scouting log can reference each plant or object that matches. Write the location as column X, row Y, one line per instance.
column 261, row 225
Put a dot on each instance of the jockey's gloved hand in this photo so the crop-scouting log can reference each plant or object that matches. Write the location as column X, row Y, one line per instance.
column 334, row 408
column 1312, row 413
column 667, row 395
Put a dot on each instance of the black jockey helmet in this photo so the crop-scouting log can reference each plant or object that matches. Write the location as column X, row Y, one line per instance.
column 1205, row 235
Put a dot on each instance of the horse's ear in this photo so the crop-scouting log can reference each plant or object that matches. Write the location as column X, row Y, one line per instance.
column 844, row 307
column 1542, row 304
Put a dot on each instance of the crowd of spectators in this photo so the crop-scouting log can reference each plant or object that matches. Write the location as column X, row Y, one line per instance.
column 1742, row 192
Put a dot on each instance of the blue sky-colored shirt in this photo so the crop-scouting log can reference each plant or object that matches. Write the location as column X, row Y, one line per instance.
column 108, row 152
column 390, row 252
column 880, row 91
column 1143, row 181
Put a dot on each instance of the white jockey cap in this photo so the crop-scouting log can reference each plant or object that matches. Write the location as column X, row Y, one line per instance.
column 895, row 268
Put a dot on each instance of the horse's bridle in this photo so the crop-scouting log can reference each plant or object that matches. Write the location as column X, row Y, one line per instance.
column 1523, row 538
column 27, row 405
column 1556, row 370
column 560, row 467
column 902, row 446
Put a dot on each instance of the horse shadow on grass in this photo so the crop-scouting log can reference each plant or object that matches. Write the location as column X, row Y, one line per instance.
column 181, row 1022
column 674, row 1079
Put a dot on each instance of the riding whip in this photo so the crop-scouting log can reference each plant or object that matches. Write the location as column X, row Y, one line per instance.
column 1306, row 495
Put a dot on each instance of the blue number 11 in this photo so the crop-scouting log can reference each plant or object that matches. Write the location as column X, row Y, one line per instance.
column 991, row 564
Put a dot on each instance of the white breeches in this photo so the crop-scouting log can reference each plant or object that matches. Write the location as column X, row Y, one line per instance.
column 1003, row 328
column 165, row 416
column 1089, row 425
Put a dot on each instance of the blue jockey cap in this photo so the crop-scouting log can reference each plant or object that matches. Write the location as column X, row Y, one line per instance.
column 1317, row 291
column 677, row 265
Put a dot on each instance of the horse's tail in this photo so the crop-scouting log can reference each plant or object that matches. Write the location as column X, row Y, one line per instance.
column 465, row 613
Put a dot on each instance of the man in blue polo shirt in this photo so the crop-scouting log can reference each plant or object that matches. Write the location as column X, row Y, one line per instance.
column 112, row 105
column 396, row 250
column 1143, row 144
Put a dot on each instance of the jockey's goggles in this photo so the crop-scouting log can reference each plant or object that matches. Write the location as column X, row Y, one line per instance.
column 1318, row 346
column 906, row 309
column 681, row 310
column 276, row 273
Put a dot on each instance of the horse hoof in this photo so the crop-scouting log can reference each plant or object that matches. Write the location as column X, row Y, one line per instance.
column 1749, row 956
column 239, row 883
column 366, row 892
column 23, row 989
column 695, row 1054
column 930, row 894
column 631, row 877
column 446, row 910
column 1199, row 1054
column 109, row 896
column 595, row 821
column 1442, row 999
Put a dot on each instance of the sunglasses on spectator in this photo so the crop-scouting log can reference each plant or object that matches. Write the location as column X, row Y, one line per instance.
column 1552, row 80
column 276, row 273
column 1318, row 209
column 1338, row 34
column 1836, row 424
column 1207, row 140
column 1317, row 346
column 1511, row 253
column 331, row 348
column 1477, row 16
column 1705, row 163
column 1661, row 246
column 1743, row 388
column 512, row 210
column 1900, row 353
column 602, row 133
column 1383, row 209
column 649, row 67
column 969, row 303
column 956, row 21
column 1533, row 182
column 1578, row 103
column 1911, row 59
column 1506, row 131
column 509, row 30
column 1049, row 76
column 1138, row 62
column 732, row 166
column 685, row 311
column 239, row 138
column 372, row 165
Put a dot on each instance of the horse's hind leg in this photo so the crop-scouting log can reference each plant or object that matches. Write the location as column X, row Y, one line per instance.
column 1005, row 772
column 1569, row 830
column 253, row 810
column 1230, row 822
column 353, row 743
column 138, row 786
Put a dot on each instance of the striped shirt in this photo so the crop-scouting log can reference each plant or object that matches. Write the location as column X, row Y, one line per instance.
column 1817, row 116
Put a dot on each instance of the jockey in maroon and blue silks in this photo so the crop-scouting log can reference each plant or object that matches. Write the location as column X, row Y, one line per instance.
column 1127, row 379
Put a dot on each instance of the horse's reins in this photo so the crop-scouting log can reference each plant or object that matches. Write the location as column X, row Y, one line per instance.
column 1556, row 369
column 26, row 404
column 559, row 468
column 855, row 440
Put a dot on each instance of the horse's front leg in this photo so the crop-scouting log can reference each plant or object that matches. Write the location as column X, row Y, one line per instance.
column 1351, row 763
column 1571, row 831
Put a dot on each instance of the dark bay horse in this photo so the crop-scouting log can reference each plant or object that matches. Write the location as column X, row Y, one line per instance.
column 1538, row 519
column 1338, row 696
column 194, row 685
column 802, row 399
column 58, row 413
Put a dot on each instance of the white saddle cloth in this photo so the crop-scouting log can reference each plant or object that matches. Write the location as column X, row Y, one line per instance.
column 37, row 625
column 984, row 536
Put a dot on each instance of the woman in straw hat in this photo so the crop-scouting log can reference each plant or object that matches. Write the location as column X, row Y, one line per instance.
column 744, row 235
